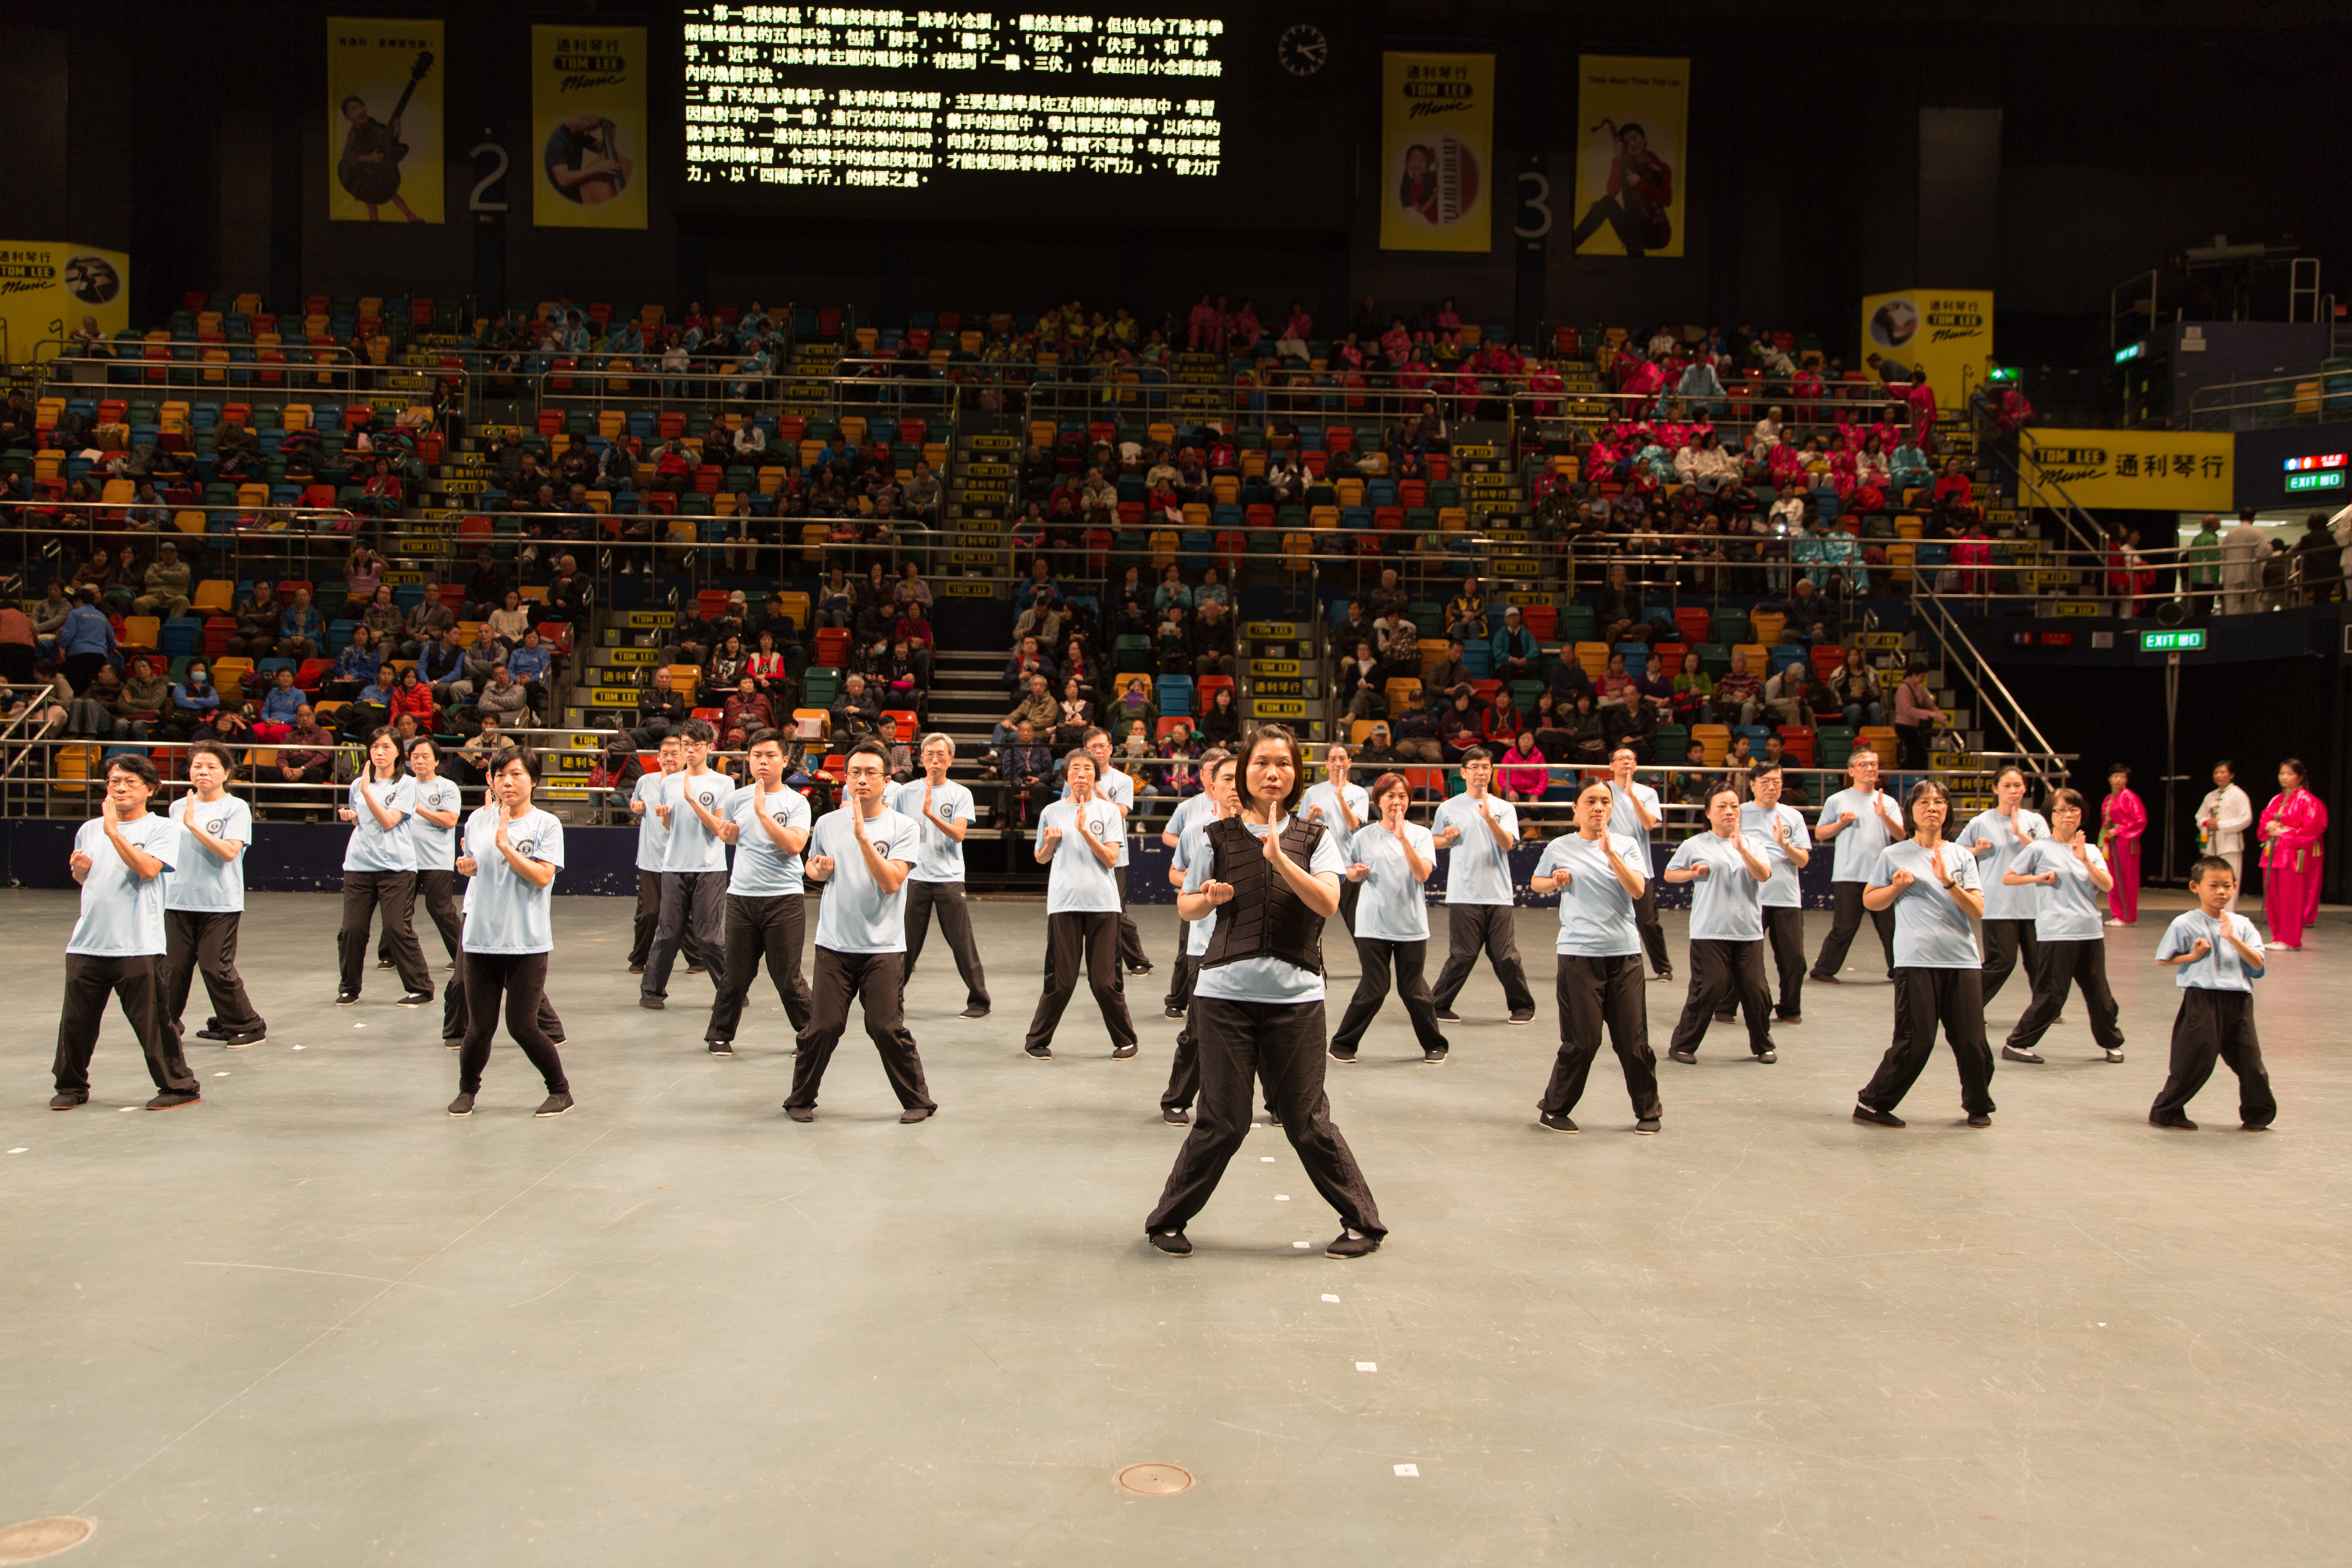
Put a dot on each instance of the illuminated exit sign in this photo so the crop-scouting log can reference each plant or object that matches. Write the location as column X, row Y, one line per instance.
column 2318, row 471
column 2187, row 639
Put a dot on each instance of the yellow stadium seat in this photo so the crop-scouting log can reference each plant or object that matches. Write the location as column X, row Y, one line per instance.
column 1593, row 658
column 1716, row 741
column 1767, row 625
column 214, row 596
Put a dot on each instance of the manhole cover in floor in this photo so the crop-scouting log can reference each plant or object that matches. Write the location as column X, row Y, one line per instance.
column 1156, row 1480
column 38, row 1538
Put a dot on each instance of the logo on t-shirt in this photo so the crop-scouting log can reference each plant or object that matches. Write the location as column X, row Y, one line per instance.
column 882, row 848
column 217, row 826
column 782, row 819
column 707, row 798
column 523, row 847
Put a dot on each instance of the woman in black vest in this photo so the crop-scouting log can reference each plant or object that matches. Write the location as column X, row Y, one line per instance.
column 1271, row 881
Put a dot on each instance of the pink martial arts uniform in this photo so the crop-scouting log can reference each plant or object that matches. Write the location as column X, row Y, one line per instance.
column 2291, row 863
column 2122, row 820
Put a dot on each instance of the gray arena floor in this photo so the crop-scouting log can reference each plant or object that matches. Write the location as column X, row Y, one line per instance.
column 315, row 1320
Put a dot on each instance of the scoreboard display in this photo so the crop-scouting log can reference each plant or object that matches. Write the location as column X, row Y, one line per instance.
column 973, row 114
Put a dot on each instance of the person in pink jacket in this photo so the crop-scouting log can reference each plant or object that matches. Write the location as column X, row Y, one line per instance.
column 2122, row 820
column 2293, row 824
column 1521, row 776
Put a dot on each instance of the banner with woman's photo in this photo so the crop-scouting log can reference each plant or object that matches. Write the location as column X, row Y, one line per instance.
column 588, row 126
column 1437, row 152
column 49, row 291
column 1631, row 160
column 384, row 119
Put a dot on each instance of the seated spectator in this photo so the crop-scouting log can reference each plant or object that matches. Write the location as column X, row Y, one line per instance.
column 1416, row 729
column 1466, row 613
column 1568, row 681
column 1221, row 719
column 1692, row 784
column 1811, row 617
column 424, row 624
column 503, row 698
column 363, row 576
column 857, row 715
column 1026, row 765
column 1036, row 708
column 1378, row 751
column 166, row 584
column 451, row 668
column 1214, row 650
column 193, row 699
column 137, row 708
column 356, row 667
column 1617, row 610
column 729, row 661
column 530, row 662
column 1042, row 619
column 1361, row 683
column 1171, row 643
column 1399, row 642
column 1521, row 774
column 485, row 590
column 1171, row 590
column 473, row 760
column 1458, row 728
column 304, row 757
column 1029, row 659
column 274, row 719
column 1740, row 693
column 1445, row 678
column 1212, row 592
column 1134, row 704
column 301, row 633
column 1515, row 656
column 748, row 708
column 770, row 671
column 1180, row 752
column 1616, row 687
column 49, row 616
column 383, row 621
column 509, row 621
column 1389, row 597
column 413, row 698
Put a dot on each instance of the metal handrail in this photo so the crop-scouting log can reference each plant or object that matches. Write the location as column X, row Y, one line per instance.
column 2033, row 747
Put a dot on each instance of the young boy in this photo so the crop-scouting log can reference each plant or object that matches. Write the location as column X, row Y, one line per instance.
column 119, row 861
column 2219, row 956
column 862, row 854
column 203, row 900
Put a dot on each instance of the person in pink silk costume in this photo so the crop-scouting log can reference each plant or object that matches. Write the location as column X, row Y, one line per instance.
column 2122, row 820
column 2293, row 824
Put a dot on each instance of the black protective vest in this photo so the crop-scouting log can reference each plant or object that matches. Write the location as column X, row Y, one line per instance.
column 1265, row 919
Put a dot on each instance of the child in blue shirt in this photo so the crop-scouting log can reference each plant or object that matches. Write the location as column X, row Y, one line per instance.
column 2218, row 955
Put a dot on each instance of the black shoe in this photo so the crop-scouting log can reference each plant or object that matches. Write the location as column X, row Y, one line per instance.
column 977, row 1010
column 251, row 1038
column 1726, row 1017
column 1172, row 1012
column 2253, row 1127
column 697, row 968
column 651, row 1004
column 2114, row 1056
column 173, row 1099
column 1788, row 1018
column 1138, row 973
column 462, row 1106
column 1878, row 1118
column 553, row 1105
column 385, row 964
column 1664, row 977
column 919, row 1113
column 1120, row 1053
column 68, row 1100
column 1647, row 1124
column 1340, row 1056
column 1824, row 980
column 1527, row 1017
column 722, row 1047
column 457, row 1045
column 212, row 1032
column 2174, row 1123
column 800, row 1112
column 1683, row 1055
column 417, row 999
column 2012, row 1054
column 1038, row 1053
column 1448, row 1015
column 1978, row 1118
column 636, row 969
column 1768, row 1055
column 347, row 999
column 1432, row 1058
column 1348, row 1244
column 1556, row 1122
column 1174, row 1116
column 1174, row 1243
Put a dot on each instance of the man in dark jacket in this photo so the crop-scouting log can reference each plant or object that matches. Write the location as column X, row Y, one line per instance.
column 1214, row 647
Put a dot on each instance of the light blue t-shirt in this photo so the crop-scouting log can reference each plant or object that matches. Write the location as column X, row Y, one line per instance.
column 2219, row 969
column 505, row 913
column 855, row 916
column 941, row 859
column 763, row 870
column 1193, row 810
column 1477, row 869
column 1626, row 821
column 1321, row 804
column 1931, row 932
column 1190, row 845
column 1118, row 788
column 1727, row 903
column 1392, row 906
column 1858, row 845
column 692, row 847
column 2004, row 903
column 1077, row 881
column 1596, row 912
column 1267, row 979
column 373, row 847
column 436, row 847
column 122, row 916
column 653, row 838
column 1783, row 891
column 204, row 883
column 2070, row 908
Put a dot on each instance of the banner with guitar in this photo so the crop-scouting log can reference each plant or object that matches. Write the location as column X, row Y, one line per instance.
column 588, row 125
column 1437, row 152
column 384, row 119
column 1631, row 159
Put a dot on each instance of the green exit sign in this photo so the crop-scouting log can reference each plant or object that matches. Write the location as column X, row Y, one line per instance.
column 2321, row 480
column 2188, row 639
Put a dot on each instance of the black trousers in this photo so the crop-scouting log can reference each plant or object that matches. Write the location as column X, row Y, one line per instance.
column 1375, row 955
column 1784, row 930
column 1721, row 974
column 873, row 979
column 1847, row 920
column 204, row 940
column 1187, row 970
column 1596, row 993
column 1924, row 998
column 2214, row 1025
column 1131, row 955
column 457, row 1015
column 641, row 940
column 1184, row 1070
column 773, row 927
column 696, row 901
column 2064, row 966
column 437, row 891
column 1349, row 893
column 519, row 981
column 393, row 893
column 955, row 924
column 1653, row 935
column 1076, row 938
column 2003, row 941
column 1283, row 1044
column 1469, row 928
column 135, row 985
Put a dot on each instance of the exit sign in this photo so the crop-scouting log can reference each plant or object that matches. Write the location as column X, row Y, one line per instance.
column 2188, row 639
column 2315, row 480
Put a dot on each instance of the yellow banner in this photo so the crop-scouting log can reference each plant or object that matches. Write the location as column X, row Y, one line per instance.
column 384, row 127
column 1948, row 333
column 588, row 126
column 1437, row 141
column 1631, row 159
column 2154, row 470
column 51, row 290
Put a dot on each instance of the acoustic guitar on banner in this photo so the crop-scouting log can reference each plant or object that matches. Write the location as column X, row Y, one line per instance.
column 370, row 166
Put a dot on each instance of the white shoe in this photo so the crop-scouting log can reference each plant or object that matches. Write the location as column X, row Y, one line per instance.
column 2111, row 920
